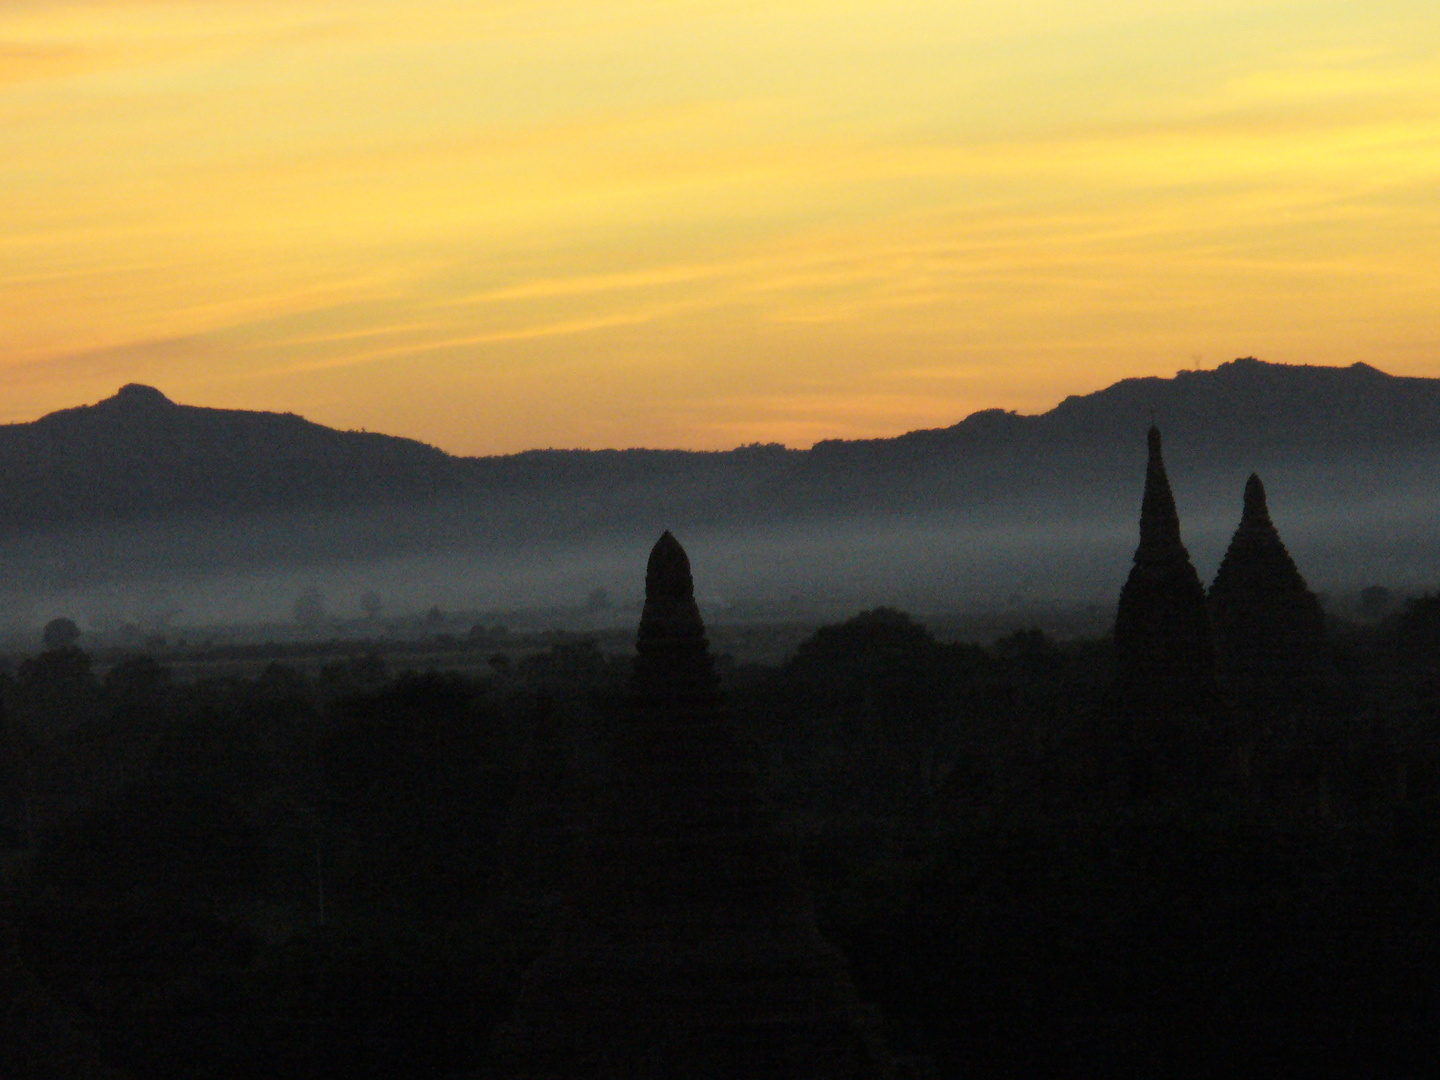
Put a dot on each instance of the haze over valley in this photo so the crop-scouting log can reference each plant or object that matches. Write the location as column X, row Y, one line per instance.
column 143, row 512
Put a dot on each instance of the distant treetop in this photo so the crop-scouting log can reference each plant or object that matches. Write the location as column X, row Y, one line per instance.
column 60, row 634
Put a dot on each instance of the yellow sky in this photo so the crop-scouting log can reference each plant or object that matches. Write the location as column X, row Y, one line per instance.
column 497, row 224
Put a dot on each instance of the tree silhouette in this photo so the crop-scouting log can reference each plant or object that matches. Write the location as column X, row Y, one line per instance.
column 60, row 634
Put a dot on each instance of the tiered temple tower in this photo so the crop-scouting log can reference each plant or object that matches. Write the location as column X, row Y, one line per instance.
column 688, row 945
column 1269, row 629
column 1163, row 650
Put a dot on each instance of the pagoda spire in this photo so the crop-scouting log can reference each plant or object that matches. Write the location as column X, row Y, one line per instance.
column 1159, row 522
column 1257, row 558
column 673, row 660
column 1163, row 648
column 1269, row 629
column 688, row 945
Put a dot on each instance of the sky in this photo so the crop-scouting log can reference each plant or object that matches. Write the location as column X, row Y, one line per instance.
column 498, row 225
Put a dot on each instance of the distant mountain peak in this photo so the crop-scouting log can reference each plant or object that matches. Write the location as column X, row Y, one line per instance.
column 137, row 454
column 140, row 396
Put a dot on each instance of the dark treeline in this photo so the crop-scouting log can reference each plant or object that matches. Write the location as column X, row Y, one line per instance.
column 346, row 875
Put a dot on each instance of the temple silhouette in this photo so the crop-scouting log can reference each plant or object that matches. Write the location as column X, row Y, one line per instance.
column 1163, row 647
column 1269, row 629
column 1206, row 683
column 1170, row 711
column 687, row 945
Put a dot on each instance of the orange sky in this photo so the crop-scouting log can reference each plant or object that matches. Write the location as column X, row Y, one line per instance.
column 494, row 224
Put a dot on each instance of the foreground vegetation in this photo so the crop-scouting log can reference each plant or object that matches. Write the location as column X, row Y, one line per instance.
column 345, row 873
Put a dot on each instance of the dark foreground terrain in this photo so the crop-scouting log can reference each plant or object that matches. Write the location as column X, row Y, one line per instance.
column 338, row 867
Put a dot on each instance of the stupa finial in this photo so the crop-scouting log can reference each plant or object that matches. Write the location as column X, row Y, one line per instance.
column 1159, row 521
column 1255, row 508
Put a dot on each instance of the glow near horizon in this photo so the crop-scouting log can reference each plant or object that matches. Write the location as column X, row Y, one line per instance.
column 500, row 225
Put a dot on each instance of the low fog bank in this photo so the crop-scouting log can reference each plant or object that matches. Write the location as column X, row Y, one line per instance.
column 1056, row 556
column 1058, row 537
column 816, row 571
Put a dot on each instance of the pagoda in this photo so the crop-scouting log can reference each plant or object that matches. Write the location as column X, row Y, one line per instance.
column 1269, row 629
column 1164, row 656
column 687, row 945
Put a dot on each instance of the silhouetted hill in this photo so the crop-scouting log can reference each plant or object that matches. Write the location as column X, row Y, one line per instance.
column 1246, row 405
column 1241, row 415
column 138, row 455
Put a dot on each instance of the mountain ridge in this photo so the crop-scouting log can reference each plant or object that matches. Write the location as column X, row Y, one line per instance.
column 1191, row 404
column 139, row 456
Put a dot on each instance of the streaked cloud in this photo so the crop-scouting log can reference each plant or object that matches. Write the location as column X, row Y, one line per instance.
column 500, row 225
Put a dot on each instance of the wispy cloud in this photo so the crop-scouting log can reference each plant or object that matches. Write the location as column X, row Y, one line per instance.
column 805, row 217
column 440, row 344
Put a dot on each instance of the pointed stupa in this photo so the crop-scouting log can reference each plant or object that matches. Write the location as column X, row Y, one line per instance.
column 1257, row 561
column 673, row 660
column 1159, row 521
column 688, row 945
column 1269, row 629
column 1164, row 655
